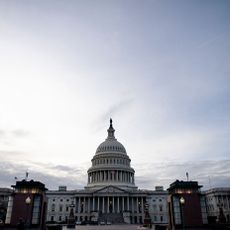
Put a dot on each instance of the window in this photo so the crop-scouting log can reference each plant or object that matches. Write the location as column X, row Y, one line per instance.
column 161, row 218
column 53, row 207
column 36, row 210
column 60, row 208
column 59, row 218
column 160, row 208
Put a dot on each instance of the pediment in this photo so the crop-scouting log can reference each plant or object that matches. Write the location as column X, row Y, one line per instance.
column 110, row 189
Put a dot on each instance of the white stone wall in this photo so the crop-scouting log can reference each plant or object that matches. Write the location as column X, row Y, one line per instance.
column 58, row 207
column 158, row 207
column 217, row 198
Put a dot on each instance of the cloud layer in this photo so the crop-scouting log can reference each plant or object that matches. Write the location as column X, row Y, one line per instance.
column 148, row 175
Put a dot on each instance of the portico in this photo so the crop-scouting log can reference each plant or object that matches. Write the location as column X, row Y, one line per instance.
column 111, row 200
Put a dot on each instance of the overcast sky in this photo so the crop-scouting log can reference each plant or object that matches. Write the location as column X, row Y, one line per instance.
column 159, row 68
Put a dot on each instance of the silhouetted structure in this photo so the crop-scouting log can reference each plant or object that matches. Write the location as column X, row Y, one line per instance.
column 186, row 205
column 27, row 204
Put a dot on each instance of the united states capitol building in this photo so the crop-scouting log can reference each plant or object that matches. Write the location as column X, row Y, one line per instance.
column 111, row 194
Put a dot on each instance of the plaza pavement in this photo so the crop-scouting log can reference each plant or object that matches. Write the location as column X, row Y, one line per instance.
column 106, row 227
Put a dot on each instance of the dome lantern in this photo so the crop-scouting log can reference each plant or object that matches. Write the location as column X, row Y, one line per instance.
column 111, row 130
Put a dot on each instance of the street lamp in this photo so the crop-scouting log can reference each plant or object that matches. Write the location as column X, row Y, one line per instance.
column 71, row 220
column 28, row 201
column 182, row 202
column 147, row 219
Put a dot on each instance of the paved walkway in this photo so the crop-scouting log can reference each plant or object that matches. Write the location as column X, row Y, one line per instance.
column 107, row 227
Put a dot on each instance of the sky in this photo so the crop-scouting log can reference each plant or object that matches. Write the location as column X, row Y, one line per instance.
column 160, row 69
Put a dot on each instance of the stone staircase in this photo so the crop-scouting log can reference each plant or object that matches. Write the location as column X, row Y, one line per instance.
column 114, row 218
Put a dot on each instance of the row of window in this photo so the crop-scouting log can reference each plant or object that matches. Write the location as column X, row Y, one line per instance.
column 110, row 148
column 155, row 200
column 111, row 161
column 154, row 207
column 161, row 219
column 61, row 208
column 61, row 200
column 60, row 218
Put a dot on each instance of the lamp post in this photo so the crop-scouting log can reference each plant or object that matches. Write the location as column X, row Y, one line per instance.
column 71, row 219
column 182, row 202
column 28, row 201
column 147, row 219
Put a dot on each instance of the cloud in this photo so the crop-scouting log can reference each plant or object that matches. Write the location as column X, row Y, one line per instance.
column 51, row 175
column 20, row 133
column 164, row 173
column 211, row 40
column 148, row 175
column 2, row 132
column 112, row 111
column 8, row 137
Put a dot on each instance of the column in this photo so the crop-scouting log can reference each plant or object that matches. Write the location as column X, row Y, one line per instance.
column 128, row 204
column 104, row 175
column 132, row 206
column 123, row 204
column 93, row 203
column 98, row 204
column 118, row 208
column 88, row 204
column 84, row 206
column 227, row 202
column 137, row 205
column 142, row 205
column 222, row 198
column 113, row 205
column 108, row 204
column 103, row 204
column 79, row 203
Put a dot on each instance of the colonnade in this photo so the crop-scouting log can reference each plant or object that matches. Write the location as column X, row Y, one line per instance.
column 111, row 175
column 109, row 204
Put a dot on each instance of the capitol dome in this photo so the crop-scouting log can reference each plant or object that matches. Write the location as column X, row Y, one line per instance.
column 111, row 144
column 111, row 165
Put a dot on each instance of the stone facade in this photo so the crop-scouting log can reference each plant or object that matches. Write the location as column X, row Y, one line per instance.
column 217, row 201
column 4, row 198
column 158, row 206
